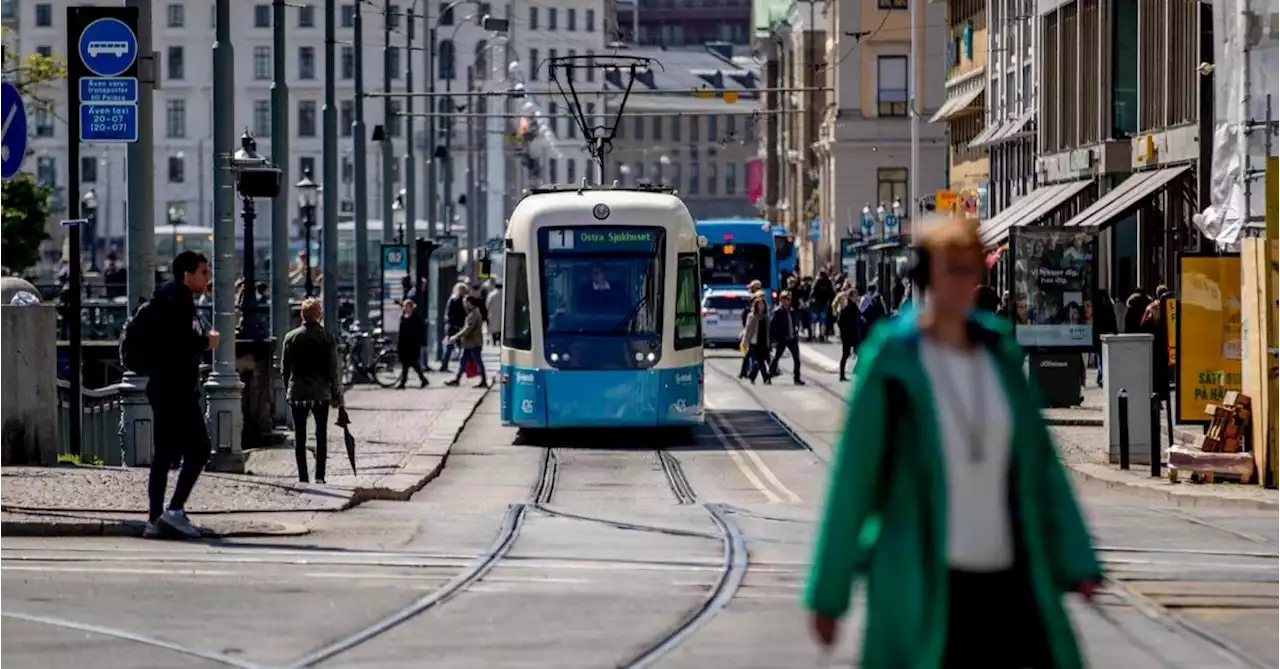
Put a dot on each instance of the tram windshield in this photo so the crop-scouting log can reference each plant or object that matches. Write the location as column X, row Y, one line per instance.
column 737, row 264
column 602, row 281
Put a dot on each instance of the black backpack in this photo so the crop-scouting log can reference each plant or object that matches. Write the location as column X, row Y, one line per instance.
column 138, row 342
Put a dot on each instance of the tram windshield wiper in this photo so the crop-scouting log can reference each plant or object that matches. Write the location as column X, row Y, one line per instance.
column 628, row 324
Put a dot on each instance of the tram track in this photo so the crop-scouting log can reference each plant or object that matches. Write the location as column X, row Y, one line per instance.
column 676, row 479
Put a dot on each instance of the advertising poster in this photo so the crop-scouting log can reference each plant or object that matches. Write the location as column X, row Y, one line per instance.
column 1053, row 286
column 1209, row 333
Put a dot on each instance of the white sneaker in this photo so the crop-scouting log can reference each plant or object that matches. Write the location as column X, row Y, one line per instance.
column 176, row 521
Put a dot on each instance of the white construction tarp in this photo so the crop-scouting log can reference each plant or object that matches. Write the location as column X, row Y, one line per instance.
column 1246, row 57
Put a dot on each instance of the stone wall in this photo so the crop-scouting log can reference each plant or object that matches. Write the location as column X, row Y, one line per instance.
column 29, row 394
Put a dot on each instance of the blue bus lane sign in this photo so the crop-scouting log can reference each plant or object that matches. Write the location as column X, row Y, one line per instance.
column 108, row 48
column 15, row 130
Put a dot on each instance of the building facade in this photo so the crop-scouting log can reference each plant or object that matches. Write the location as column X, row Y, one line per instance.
column 864, row 144
column 683, row 24
column 963, row 110
column 183, row 37
column 801, row 65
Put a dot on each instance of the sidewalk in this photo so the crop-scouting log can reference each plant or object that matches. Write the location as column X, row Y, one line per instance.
column 402, row 439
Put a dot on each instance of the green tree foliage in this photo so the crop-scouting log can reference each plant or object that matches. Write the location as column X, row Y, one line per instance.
column 34, row 75
column 26, row 210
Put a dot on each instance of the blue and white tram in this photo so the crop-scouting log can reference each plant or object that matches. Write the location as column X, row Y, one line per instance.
column 601, row 323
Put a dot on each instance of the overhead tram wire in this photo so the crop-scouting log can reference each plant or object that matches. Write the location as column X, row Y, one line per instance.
column 706, row 93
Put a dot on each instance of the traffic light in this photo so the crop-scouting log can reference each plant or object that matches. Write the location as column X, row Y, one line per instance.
column 486, row 268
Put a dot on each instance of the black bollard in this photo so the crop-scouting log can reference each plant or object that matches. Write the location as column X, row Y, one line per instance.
column 1123, row 401
column 1155, row 434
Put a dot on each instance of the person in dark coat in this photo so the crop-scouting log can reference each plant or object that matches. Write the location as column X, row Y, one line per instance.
column 309, row 369
column 455, row 316
column 755, row 338
column 1101, row 313
column 1153, row 323
column 785, row 336
column 409, row 345
column 849, row 320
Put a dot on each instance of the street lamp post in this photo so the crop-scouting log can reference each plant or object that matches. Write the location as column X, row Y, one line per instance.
column 253, row 177
column 177, row 216
column 398, row 213
column 89, row 242
column 308, row 193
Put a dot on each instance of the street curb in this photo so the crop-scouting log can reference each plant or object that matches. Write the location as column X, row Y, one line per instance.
column 93, row 527
column 1166, row 495
column 418, row 468
column 1073, row 422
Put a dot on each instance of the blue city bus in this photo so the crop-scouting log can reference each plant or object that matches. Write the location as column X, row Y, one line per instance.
column 784, row 246
column 739, row 251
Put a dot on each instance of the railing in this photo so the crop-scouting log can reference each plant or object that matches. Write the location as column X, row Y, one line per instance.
column 100, row 429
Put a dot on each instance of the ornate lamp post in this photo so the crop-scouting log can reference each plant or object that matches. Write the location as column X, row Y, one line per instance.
column 177, row 215
column 254, row 178
column 308, row 194
column 397, row 212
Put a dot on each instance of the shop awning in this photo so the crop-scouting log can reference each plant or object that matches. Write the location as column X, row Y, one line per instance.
column 958, row 104
column 995, row 230
column 1014, row 128
column 1125, row 197
column 983, row 138
column 1063, row 194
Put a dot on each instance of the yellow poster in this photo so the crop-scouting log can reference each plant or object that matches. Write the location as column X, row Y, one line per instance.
column 1171, row 328
column 1209, row 336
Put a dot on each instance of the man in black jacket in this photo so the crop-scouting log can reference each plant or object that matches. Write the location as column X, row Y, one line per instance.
column 173, row 391
column 785, row 333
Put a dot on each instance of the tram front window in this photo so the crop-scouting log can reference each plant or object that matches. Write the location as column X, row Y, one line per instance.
column 602, row 296
column 736, row 264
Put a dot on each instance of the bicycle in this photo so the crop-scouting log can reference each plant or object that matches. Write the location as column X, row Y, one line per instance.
column 385, row 368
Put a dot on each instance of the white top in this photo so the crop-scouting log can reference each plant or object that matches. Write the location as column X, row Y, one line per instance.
column 974, row 425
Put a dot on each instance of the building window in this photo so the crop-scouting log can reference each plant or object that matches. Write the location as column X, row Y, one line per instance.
column 675, row 128
column 590, row 22
column 657, row 128
column 349, row 16
column 446, row 14
column 591, row 61
column 174, row 66
column 891, row 85
column 348, row 170
column 730, row 179
column 44, row 15
column 47, row 170
column 695, row 127
column 306, row 118
column 393, row 129
column 571, row 166
column 637, row 127
column 89, row 169
column 731, row 125
column 395, row 171
column 261, row 62
column 346, row 206
column 891, row 184
column 713, row 179
column 307, row 164
column 175, row 15
column 552, row 16
column 177, row 169
column 262, row 16
column 448, row 68
column 533, row 64
column 175, row 119
column 533, row 18
column 482, row 60
column 43, row 121
column 44, row 51
column 393, row 61
column 570, row 19
column 261, row 118
column 348, row 64
column 713, row 128
column 393, row 17
column 346, row 116
column 891, row 4
column 570, row 71
column 695, row 177
column 307, row 16
column 553, row 171
column 553, row 111
column 306, row 62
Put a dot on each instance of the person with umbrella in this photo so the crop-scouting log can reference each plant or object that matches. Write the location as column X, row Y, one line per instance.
column 309, row 367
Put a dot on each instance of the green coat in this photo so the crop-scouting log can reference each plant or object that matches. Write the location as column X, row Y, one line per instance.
column 309, row 365
column 896, row 545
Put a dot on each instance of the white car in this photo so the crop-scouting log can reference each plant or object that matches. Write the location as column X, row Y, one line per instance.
column 722, row 316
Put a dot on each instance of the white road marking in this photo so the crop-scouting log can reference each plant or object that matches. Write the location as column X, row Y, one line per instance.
column 732, row 450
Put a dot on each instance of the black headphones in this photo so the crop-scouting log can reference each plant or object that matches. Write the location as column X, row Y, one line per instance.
column 918, row 267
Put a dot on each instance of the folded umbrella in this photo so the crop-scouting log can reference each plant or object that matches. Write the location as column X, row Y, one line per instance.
column 344, row 422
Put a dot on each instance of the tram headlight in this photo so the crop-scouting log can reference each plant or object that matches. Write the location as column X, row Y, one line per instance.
column 555, row 357
column 639, row 357
column 651, row 357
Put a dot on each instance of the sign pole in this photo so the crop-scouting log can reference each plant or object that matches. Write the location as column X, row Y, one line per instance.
column 102, row 89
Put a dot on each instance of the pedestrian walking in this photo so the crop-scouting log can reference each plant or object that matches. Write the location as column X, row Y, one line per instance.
column 785, row 335
column 849, row 320
column 471, row 340
column 408, row 345
column 822, row 295
column 309, row 369
column 493, row 304
column 748, row 363
column 755, row 338
column 455, row 316
column 164, row 340
column 947, row 494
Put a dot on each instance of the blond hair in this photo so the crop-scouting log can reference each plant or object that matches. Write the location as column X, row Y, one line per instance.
column 952, row 234
column 311, row 310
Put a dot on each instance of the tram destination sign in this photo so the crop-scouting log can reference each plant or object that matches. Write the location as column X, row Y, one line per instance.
column 601, row 239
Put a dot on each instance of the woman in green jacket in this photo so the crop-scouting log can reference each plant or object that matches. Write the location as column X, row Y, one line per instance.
column 946, row 492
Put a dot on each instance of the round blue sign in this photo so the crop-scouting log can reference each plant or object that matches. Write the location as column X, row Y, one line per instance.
column 108, row 47
column 15, row 130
